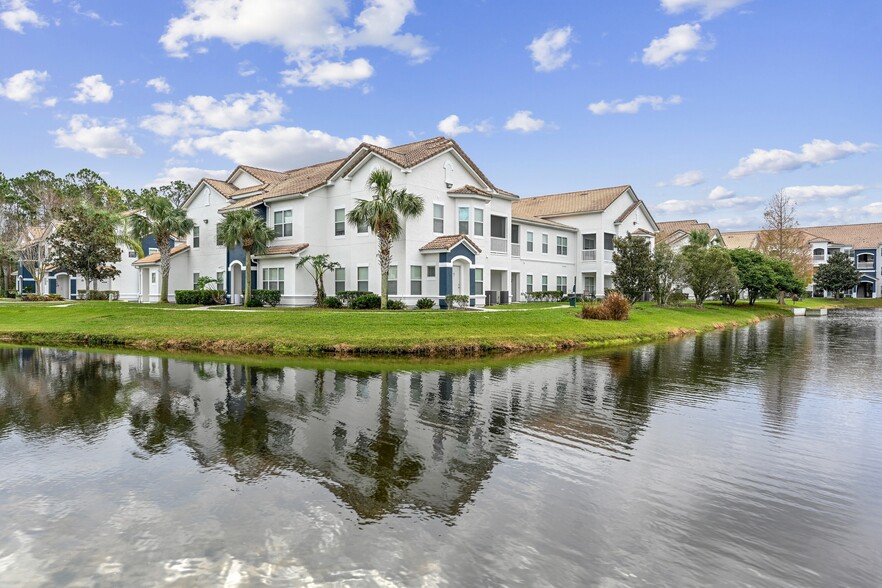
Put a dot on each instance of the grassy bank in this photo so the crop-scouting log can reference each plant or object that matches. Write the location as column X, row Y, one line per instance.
column 308, row 331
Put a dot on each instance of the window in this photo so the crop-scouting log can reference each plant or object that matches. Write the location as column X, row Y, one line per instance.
column 195, row 280
column 589, row 242
column 339, row 280
column 274, row 278
column 363, row 228
column 544, row 283
column 561, row 245
column 339, row 222
column 431, row 272
column 589, row 285
column 195, row 237
column 529, row 240
column 152, row 277
column 282, row 223
column 217, row 238
column 608, row 241
column 479, row 222
column 152, row 251
column 133, row 254
column 544, row 243
column 529, row 283
column 393, row 280
column 220, row 280
column 479, row 280
column 416, row 280
column 464, row 220
column 362, row 279
column 498, row 227
column 438, row 220
column 562, row 283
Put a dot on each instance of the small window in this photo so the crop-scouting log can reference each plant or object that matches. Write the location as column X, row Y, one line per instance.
column 438, row 218
column 339, row 280
column 529, row 283
column 195, row 280
column 479, row 280
column 363, row 228
column 530, row 241
column 274, row 279
column 393, row 280
column 544, row 243
column 133, row 254
column 152, row 277
column 416, row 280
column 562, row 283
column 479, row 222
column 544, row 283
column 220, row 280
column 464, row 220
column 195, row 237
column 152, row 251
column 431, row 272
column 561, row 245
column 362, row 279
column 217, row 238
column 283, row 223
column 339, row 222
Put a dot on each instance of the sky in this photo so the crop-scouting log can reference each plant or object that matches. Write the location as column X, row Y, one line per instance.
column 706, row 107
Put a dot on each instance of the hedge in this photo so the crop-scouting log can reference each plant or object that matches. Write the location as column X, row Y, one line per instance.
column 271, row 297
column 367, row 301
column 98, row 294
column 42, row 297
column 545, row 296
column 200, row 297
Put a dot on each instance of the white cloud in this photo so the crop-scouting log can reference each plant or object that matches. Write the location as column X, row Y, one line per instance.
column 93, row 89
column 451, row 126
column 23, row 86
column 50, row 102
column 874, row 208
column 160, row 85
column 246, row 69
column 551, row 50
column 708, row 8
column 329, row 73
column 524, row 122
column 675, row 47
column 803, row 193
column 201, row 114
column 633, row 106
column 684, row 180
column 190, row 175
column 720, row 193
column 816, row 153
column 88, row 134
column 17, row 13
column 276, row 148
column 719, row 198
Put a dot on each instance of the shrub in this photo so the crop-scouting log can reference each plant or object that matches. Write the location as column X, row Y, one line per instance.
column 614, row 307
column 677, row 298
column 200, row 297
column 425, row 303
column 347, row 296
column 460, row 301
column 11, row 294
column 333, row 302
column 395, row 305
column 546, row 296
column 254, row 302
column 41, row 297
column 271, row 297
column 368, row 301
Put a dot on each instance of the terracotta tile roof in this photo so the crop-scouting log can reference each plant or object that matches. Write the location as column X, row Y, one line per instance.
column 224, row 189
column 628, row 211
column 507, row 193
column 668, row 229
column 295, row 181
column 284, row 249
column 643, row 232
column 267, row 176
column 740, row 240
column 860, row 236
column 154, row 257
column 448, row 242
column 541, row 221
column 469, row 189
column 568, row 202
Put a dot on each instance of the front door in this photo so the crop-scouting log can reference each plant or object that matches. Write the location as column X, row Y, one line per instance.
column 154, row 282
column 62, row 286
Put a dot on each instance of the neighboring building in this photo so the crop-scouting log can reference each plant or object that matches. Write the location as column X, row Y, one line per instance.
column 862, row 243
column 676, row 233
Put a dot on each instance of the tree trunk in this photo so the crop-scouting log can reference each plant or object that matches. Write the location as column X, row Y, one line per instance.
column 247, row 275
column 384, row 256
column 164, row 267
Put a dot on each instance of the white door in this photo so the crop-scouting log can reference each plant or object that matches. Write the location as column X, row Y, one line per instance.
column 154, row 282
column 62, row 286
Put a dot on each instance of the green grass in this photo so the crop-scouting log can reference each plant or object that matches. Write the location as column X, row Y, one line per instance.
column 309, row 331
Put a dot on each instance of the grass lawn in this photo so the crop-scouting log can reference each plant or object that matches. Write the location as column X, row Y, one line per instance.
column 305, row 331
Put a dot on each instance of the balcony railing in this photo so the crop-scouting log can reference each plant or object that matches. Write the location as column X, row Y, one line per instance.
column 819, row 258
column 515, row 249
column 607, row 255
column 589, row 255
column 865, row 265
column 498, row 245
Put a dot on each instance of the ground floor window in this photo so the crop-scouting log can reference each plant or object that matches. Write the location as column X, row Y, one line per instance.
column 416, row 280
column 274, row 279
column 339, row 280
column 220, row 280
column 393, row 280
column 431, row 272
column 195, row 280
column 562, row 283
column 544, row 283
column 589, row 286
column 362, row 279
column 479, row 280
column 529, row 283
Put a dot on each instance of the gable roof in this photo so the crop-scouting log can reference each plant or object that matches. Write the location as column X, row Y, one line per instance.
column 740, row 240
column 541, row 221
column 568, row 202
column 858, row 236
column 284, row 249
column 448, row 242
column 154, row 257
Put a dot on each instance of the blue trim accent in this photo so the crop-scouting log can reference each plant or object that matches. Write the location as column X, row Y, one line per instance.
column 52, row 286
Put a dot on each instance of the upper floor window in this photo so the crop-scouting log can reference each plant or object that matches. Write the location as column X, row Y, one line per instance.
column 133, row 254
column 589, row 242
column 438, row 218
column 561, row 245
column 339, row 222
column 479, row 222
column 274, row 279
column 529, row 240
column 431, row 271
column 196, row 237
column 544, row 246
column 283, row 223
column 464, row 220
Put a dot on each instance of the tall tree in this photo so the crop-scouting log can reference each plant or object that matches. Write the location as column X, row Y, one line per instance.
column 633, row 259
column 838, row 275
column 709, row 269
column 317, row 266
column 384, row 214
column 85, row 243
column 244, row 227
column 754, row 272
column 160, row 218
column 781, row 237
column 668, row 273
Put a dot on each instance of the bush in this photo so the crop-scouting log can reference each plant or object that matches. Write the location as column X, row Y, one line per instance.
column 460, row 301
column 368, row 301
column 254, row 302
column 546, row 296
column 11, row 293
column 347, row 296
column 200, row 297
column 614, row 307
column 41, row 298
column 425, row 303
column 333, row 302
column 395, row 305
column 98, row 294
column 271, row 297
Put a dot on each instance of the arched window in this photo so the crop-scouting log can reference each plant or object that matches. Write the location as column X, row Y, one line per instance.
column 818, row 252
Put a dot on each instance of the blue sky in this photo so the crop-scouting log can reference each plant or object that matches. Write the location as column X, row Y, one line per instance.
column 706, row 107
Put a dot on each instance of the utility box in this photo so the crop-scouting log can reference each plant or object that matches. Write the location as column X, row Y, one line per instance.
column 490, row 298
column 503, row 297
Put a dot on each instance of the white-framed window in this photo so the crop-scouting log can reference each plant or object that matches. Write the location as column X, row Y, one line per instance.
column 530, row 241
column 393, row 280
column 544, row 243
column 339, row 280
column 274, row 279
column 217, row 238
column 283, row 223
column 529, row 283
column 133, row 254
column 544, row 283
column 562, row 283
column 339, row 222
column 196, row 237
column 416, row 280
column 152, row 277
column 438, row 218
column 363, row 228
column 464, row 219
column 479, row 222
column 561, row 245
column 152, row 251
column 479, row 280
column 362, row 285
column 220, row 280
column 195, row 280
column 431, row 272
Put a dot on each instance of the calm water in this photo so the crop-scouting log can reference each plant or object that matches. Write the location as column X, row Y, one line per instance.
column 751, row 457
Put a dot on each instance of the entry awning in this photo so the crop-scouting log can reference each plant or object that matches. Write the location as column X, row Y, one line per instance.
column 445, row 243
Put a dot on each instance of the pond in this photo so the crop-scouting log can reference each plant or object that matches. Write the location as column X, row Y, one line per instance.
column 751, row 456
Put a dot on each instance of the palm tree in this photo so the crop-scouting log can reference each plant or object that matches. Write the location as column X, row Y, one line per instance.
column 160, row 218
column 245, row 227
column 383, row 214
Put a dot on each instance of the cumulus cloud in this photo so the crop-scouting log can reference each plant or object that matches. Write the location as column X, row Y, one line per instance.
column 93, row 89
column 17, row 13
column 23, row 86
column 524, row 122
column 551, row 50
column 50, row 102
column 874, row 208
column 803, row 193
column 203, row 114
column 276, row 148
column 812, row 154
column 190, row 175
column 160, row 85
column 718, row 199
column 708, row 8
column 720, row 193
column 676, row 46
column 101, row 140
column 329, row 73
column 451, row 126
column 633, row 106
column 684, row 180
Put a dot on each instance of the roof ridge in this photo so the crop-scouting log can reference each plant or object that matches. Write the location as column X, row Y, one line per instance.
column 623, row 187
